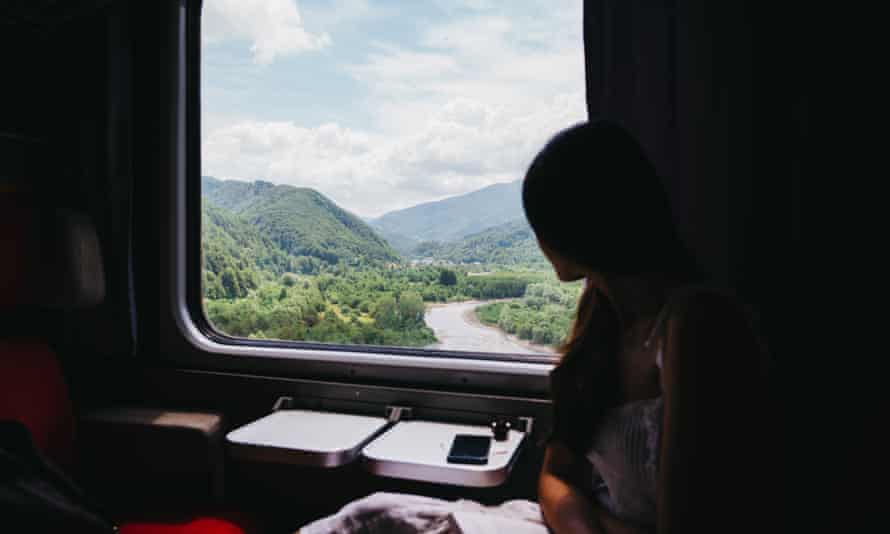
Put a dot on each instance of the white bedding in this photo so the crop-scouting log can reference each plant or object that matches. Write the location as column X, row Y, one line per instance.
column 397, row 513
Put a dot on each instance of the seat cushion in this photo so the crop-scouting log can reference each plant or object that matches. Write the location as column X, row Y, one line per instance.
column 52, row 257
column 201, row 525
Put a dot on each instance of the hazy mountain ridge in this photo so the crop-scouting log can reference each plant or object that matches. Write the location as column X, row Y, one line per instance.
column 511, row 243
column 455, row 217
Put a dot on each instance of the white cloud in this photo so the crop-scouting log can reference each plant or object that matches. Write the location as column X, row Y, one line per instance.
column 396, row 72
column 503, row 62
column 468, row 107
column 274, row 27
column 466, row 146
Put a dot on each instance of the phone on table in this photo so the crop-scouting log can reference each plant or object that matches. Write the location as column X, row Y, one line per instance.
column 469, row 449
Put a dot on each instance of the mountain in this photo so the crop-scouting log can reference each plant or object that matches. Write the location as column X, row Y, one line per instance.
column 403, row 244
column 455, row 217
column 511, row 243
column 299, row 221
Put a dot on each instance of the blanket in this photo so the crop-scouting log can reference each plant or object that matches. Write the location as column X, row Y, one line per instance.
column 397, row 513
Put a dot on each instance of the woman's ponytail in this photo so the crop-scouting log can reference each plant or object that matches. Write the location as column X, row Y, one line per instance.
column 585, row 383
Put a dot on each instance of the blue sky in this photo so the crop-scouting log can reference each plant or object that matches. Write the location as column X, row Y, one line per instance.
column 382, row 105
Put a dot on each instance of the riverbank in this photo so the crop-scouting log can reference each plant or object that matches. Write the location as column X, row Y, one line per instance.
column 471, row 317
column 457, row 327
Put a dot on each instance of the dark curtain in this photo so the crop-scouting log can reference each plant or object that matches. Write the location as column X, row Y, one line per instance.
column 88, row 71
column 718, row 93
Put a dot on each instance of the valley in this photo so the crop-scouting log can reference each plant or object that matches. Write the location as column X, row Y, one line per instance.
column 286, row 263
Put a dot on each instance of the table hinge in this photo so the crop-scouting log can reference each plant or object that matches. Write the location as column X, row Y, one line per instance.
column 398, row 413
column 283, row 403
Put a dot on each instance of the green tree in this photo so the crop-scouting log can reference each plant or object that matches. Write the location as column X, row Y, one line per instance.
column 212, row 288
column 411, row 308
column 229, row 281
column 386, row 313
column 447, row 277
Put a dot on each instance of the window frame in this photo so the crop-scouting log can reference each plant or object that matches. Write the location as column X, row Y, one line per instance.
column 210, row 349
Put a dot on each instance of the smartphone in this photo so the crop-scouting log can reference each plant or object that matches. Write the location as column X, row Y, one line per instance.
column 469, row 449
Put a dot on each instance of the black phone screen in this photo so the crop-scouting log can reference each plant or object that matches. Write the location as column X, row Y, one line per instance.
column 469, row 449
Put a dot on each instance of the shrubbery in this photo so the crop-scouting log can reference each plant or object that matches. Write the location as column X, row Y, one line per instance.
column 544, row 315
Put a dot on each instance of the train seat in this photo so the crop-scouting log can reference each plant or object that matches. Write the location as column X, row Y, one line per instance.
column 51, row 260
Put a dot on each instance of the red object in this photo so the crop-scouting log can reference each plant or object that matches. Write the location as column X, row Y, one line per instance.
column 203, row 525
column 33, row 392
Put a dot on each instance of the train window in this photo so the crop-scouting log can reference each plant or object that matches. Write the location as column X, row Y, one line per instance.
column 360, row 172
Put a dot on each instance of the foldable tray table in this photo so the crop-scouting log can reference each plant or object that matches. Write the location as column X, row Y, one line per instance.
column 305, row 437
column 386, row 446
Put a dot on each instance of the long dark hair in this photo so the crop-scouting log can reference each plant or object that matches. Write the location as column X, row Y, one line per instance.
column 593, row 197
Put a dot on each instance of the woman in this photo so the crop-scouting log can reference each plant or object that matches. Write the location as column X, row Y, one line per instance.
column 660, row 391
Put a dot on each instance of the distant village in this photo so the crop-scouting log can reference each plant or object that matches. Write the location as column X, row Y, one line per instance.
column 436, row 262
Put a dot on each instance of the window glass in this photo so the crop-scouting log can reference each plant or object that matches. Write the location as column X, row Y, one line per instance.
column 362, row 164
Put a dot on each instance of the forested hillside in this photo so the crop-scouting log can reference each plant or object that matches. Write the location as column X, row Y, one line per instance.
column 403, row 244
column 301, row 221
column 236, row 255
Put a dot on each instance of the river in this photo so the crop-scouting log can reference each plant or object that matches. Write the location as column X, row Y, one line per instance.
column 457, row 328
